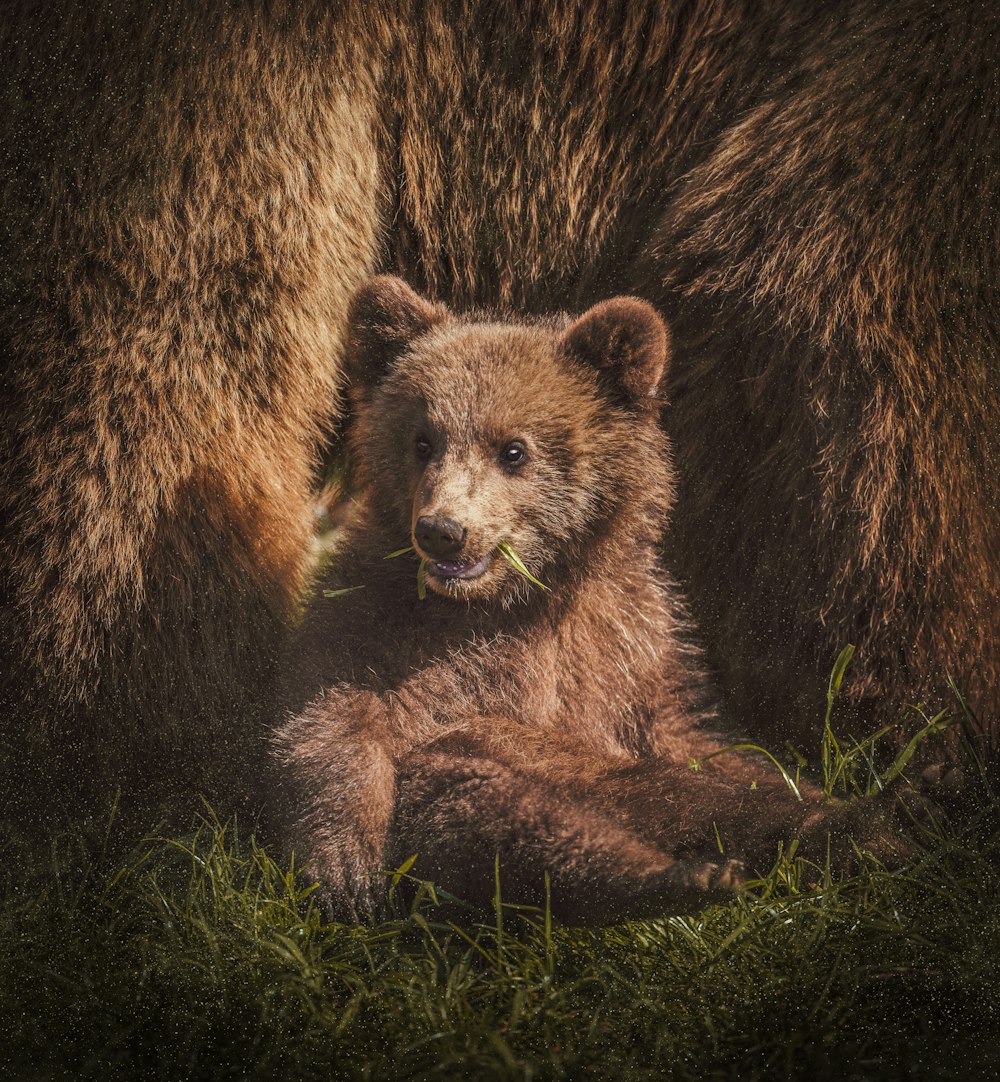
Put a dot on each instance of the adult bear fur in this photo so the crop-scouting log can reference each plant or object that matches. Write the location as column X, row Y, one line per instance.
column 191, row 195
column 836, row 254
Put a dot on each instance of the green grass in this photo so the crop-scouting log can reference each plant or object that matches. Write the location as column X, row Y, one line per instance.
column 204, row 959
column 505, row 548
column 507, row 551
column 201, row 958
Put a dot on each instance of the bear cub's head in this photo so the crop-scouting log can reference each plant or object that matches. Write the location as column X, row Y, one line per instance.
column 468, row 433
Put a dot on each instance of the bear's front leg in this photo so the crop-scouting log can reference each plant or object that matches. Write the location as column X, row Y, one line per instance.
column 457, row 810
column 338, row 789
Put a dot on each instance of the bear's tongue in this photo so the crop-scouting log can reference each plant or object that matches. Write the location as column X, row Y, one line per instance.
column 446, row 569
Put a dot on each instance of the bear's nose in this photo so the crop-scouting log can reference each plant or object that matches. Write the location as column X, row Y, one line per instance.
column 439, row 536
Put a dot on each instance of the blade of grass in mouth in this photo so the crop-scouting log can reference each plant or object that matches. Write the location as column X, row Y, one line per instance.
column 422, row 579
column 505, row 549
column 507, row 552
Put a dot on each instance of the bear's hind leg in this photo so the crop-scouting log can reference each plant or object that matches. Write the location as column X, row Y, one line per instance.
column 748, row 807
column 459, row 812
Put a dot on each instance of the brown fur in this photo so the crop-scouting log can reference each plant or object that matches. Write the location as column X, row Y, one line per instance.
column 554, row 727
column 197, row 205
column 191, row 192
column 832, row 272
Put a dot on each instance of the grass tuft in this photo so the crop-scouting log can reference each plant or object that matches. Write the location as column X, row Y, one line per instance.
column 696, row 764
column 203, row 958
column 421, row 569
column 422, row 578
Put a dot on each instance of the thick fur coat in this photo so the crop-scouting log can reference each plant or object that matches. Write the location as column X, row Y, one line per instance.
column 192, row 192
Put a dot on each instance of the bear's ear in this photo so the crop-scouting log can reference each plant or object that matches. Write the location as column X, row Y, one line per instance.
column 625, row 339
column 384, row 318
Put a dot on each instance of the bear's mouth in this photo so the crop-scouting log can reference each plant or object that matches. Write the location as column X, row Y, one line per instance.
column 460, row 569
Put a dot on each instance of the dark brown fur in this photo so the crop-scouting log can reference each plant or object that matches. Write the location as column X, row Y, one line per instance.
column 196, row 203
column 555, row 727
column 191, row 192
column 831, row 269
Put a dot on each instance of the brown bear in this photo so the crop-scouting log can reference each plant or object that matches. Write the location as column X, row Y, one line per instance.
column 545, row 704
column 192, row 192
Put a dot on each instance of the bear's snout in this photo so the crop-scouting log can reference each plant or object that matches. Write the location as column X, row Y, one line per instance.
column 438, row 536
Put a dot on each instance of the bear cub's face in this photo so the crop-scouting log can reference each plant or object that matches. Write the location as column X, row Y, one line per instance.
column 468, row 434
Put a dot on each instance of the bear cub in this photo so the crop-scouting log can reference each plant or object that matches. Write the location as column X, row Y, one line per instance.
column 447, row 704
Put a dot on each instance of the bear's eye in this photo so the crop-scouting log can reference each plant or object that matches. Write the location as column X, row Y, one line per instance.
column 423, row 446
column 514, row 454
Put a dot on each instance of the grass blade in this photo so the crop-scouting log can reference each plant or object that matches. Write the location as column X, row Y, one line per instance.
column 830, row 748
column 341, row 593
column 937, row 724
column 422, row 579
column 507, row 552
column 696, row 764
